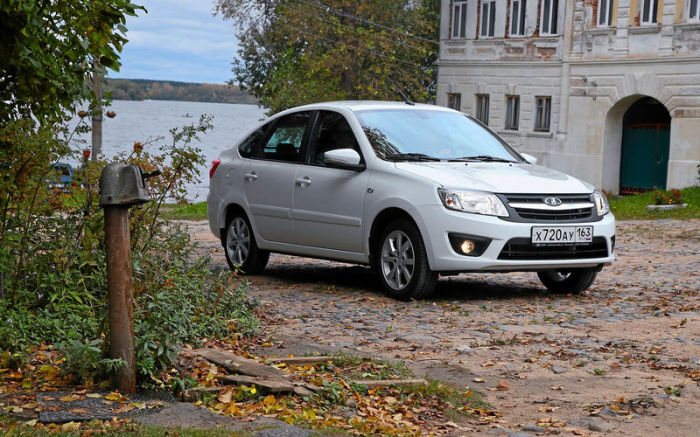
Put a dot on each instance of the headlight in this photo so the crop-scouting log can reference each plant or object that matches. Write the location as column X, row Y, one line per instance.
column 601, row 202
column 476, row 202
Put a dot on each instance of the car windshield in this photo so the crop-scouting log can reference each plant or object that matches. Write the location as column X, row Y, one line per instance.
column 430, row 135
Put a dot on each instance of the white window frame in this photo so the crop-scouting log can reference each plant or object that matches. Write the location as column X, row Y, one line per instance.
column 694, row 10
column 483, row 102
column 652, row 7
column 543, row 118
column 512, row 114
column 520, row 19
column 550, row 20
column 488, row 6
column 606, row 9
column 459, row 19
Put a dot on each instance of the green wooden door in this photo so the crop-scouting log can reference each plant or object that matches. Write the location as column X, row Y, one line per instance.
column 644, row 161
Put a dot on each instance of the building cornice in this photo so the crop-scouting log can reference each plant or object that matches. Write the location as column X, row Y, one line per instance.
column 614, row 61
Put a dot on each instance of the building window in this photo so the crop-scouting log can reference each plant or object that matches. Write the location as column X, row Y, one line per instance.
column 550, row 14
column 454, row 101
column 694, row 10
column 649, row 11
column 605, row 13
column 512, row 112
column 459, row 19
column 482, row 108
column 488, row 17
column 517, row 17
column 543, row 111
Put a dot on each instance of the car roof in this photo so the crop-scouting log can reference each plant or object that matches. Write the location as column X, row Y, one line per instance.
column 359, row 105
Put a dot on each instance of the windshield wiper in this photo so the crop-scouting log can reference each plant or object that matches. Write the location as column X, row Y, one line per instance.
column 484, row 158
column 412, row 157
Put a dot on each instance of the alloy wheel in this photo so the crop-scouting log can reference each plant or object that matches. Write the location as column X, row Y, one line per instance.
column 238, row 241
column 398, row 260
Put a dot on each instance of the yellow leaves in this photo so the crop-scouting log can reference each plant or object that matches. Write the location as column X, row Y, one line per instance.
column 71, row 398
column 93, row 395
column 114, row 396
column 269, row 400
column 70, row 426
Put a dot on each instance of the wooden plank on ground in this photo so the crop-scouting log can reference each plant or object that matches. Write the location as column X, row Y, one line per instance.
column 389, row 382
column 300, row 360
column 238, row 364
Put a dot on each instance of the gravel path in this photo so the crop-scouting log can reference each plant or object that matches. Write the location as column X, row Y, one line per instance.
column 603, row 361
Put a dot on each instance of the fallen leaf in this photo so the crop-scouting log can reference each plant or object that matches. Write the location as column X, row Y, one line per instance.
column 502, row 386
column 479, row 380
column 225, row 397
column 487, row 364
column 557, row 387
column 93, row 395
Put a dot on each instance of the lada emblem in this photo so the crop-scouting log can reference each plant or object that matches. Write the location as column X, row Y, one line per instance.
column 552, row 201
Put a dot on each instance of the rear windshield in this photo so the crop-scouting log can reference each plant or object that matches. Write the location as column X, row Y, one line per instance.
column 439, row 134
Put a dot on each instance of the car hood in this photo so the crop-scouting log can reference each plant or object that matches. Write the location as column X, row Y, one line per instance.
column 497, row 177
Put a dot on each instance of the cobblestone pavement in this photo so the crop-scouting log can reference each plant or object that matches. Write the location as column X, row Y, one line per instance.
column 605, row 361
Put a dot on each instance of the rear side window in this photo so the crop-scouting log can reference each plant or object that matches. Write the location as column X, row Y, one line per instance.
column 248, row 147
column 285, row 143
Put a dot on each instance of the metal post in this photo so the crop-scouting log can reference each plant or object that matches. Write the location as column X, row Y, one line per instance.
column 97, row 114
column 121, row 299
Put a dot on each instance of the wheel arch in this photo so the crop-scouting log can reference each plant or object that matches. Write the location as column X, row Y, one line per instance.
column 383, row 218
column 228, row 213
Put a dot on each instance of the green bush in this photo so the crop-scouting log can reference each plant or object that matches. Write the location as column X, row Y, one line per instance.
column 52, row 257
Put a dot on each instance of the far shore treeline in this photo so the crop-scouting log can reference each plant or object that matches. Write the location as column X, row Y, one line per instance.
column 142, row 89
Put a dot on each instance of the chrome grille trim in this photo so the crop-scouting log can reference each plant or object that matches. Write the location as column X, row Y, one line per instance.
column 531, row 208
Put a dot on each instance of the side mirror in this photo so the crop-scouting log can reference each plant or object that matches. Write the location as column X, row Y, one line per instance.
column 529, row 158
column 347, row 159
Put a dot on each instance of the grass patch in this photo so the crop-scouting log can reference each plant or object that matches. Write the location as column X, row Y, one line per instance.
column 366, row 368
column 189, row 211
column 634, row 207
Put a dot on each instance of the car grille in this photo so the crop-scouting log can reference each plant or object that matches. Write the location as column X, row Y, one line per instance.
column 532, row 208
column 523, row 249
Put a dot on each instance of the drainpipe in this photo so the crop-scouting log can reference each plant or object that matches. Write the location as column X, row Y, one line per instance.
column 565, row 70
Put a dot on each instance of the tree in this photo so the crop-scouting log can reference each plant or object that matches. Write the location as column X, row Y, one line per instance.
column 47, row 51
column 300, row 51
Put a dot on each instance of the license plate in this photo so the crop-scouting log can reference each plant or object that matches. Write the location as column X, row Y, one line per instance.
column 561, row 234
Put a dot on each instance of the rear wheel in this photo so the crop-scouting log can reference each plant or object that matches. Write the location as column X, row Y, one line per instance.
column 568, row 281
column 240, row 248
column 402, row 263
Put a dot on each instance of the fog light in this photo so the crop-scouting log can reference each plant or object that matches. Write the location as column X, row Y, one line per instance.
column 467, row 246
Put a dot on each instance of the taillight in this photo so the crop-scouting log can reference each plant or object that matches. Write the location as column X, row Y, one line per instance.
column 215, row 163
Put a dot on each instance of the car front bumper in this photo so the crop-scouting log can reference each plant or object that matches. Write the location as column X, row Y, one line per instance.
column 438, row 223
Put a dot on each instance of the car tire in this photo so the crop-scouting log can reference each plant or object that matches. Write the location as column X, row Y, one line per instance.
column 241, row 250
column 574, row 281
column 401, row 262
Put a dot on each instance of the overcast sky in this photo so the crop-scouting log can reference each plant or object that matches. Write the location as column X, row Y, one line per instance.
column 178, row 40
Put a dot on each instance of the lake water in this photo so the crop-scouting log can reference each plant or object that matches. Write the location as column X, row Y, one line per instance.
column 141, row 120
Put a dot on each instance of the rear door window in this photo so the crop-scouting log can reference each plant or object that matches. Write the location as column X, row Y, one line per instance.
column 287, row 138
column 249, row 146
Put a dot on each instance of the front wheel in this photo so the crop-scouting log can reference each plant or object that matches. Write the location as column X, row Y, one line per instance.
column 574, row 281
column 240, row 248
column 402, row 263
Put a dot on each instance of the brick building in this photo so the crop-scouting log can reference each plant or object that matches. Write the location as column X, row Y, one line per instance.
column 607, row 90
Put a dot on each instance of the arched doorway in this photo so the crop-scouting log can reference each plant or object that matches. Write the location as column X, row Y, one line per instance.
column 645, row 146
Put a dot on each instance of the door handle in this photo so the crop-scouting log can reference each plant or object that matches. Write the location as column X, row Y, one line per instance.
column 250, row 176
column 303, row 181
